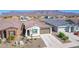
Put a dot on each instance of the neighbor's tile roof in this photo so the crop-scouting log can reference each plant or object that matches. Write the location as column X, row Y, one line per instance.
column 58, row 22
column 15, row 23
column 4, row 24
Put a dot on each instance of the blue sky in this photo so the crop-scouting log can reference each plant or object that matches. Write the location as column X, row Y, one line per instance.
column 75, row 11
column 3, row 11
column 13, row 10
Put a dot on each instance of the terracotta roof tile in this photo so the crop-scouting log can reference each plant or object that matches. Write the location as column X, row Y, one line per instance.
column 4, row 24
column 15, row 23
column 32, row 23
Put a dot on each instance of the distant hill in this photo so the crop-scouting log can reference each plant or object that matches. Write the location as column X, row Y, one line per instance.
column 40, row 12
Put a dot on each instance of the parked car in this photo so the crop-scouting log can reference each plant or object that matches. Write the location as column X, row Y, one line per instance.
column 76, row 33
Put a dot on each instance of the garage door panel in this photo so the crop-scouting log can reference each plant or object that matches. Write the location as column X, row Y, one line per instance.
column 45, row 31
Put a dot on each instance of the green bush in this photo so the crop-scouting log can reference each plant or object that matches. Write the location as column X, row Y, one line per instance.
column 65, row 38
column 61, row 34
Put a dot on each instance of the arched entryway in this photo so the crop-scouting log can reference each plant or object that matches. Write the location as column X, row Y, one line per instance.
column 23, row 30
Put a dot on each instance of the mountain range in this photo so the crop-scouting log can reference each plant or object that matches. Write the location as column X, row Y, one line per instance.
column 40, row 12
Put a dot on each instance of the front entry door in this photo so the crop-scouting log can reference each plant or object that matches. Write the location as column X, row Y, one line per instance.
column 28, row 33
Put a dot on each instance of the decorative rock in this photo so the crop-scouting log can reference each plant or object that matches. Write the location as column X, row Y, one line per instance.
column 21, row 43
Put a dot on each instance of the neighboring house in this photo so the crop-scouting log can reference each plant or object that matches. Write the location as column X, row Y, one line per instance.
column 62, row 25
column 9, row 27
column 35, row 28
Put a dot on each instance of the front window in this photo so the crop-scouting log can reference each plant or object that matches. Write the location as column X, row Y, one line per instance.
column 34, row 31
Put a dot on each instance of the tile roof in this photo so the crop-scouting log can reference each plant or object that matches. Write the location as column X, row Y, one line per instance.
column 4, row 24
column 32, row 23
column 58, row 22
column 16, row 23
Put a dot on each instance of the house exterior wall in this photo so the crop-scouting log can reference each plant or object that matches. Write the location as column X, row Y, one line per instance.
column 40, row 31
column 31, row 33
column 76, row 28
column 61, row 29
column 17, row 32
column 66, row 29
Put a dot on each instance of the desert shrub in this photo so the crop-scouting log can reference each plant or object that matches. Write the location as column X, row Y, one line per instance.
column 61, row 34
column 65, row 38
column 10, row 38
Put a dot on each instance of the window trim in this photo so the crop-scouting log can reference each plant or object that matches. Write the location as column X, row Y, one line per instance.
column 34, row 31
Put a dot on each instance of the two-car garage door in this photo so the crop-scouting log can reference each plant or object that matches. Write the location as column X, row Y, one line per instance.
column 62, row 29
column 45, row 31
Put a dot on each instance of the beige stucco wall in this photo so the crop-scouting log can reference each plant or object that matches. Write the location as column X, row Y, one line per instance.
column 33, row 34
column 17, row 32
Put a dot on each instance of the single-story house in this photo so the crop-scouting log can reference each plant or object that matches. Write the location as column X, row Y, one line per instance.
column 26, row 28
column 62, row 25
column 9, row 27
column 36, row 27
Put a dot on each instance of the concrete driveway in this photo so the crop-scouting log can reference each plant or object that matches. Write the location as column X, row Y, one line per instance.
column 50, row 41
